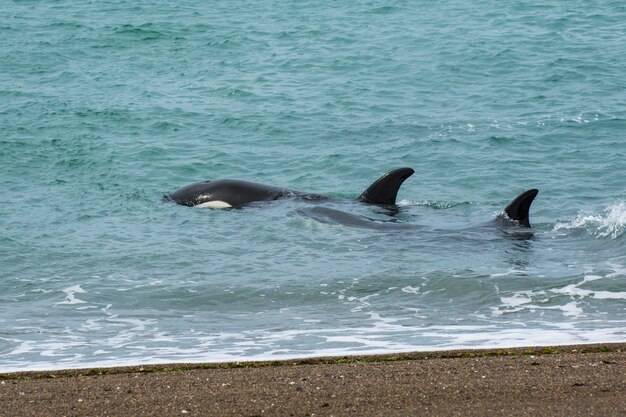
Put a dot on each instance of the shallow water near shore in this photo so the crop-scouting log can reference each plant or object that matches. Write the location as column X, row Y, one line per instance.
column 105, row 107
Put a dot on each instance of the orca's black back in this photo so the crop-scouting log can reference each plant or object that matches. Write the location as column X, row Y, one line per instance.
column 233, row 192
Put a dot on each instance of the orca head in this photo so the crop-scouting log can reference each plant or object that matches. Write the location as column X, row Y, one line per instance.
column 200, row 194
column 226, row 193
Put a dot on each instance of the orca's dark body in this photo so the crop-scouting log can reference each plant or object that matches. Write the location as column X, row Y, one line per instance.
column 517, row 210
column 236, row 193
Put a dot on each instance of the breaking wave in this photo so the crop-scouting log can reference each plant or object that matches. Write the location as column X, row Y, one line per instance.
column 611, row 223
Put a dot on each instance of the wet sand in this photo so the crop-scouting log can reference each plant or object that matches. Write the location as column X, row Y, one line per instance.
column 557, row 381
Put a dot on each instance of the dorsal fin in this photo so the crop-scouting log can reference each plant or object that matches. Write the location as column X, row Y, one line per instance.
column 518, row 208
column 385, row 189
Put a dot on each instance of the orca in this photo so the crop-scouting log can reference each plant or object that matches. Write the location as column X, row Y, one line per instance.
column 227, row 193
column 519, row 209
column 516, row 212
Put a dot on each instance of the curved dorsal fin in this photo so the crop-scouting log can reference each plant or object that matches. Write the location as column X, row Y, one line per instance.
column 518, row 208
column 385, row 189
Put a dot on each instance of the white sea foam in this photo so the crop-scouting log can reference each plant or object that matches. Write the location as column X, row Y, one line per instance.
column 516, row 300
column 618, row 271
column 254, row 346
column 510, row 272
column 572, row 309
column 611, row 223
column 361, row 301
column 574, row 290
column 538, row 300
column 411, row 290
column 70, row 295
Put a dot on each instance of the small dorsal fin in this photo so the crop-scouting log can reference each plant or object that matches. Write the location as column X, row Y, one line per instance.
column 518, row 208
column 385, row 189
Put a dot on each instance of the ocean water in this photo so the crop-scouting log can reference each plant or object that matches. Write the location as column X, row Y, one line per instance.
column 106, row 106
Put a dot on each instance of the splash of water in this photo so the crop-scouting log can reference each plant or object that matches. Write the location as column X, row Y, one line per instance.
column 611, row 223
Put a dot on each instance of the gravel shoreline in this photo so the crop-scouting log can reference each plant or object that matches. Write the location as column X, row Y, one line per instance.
column 560, row 380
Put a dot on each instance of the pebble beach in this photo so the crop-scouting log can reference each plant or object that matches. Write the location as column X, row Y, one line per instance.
column 555, row 381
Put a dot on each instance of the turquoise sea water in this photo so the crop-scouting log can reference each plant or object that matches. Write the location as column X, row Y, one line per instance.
column 106, row 106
